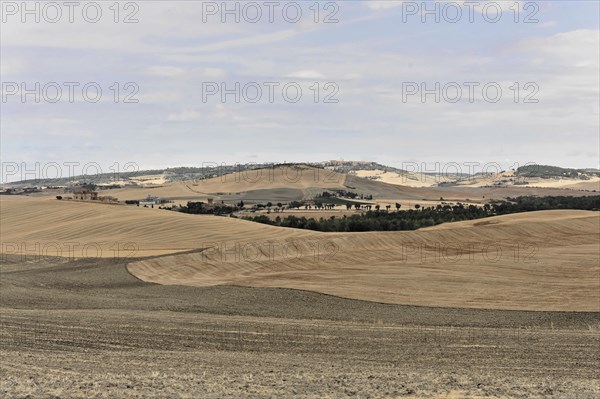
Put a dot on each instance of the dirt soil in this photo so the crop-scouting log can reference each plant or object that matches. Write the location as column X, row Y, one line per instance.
column 85, row 329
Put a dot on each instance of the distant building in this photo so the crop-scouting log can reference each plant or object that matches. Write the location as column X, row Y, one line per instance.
column 152, row 200
column 85, row 194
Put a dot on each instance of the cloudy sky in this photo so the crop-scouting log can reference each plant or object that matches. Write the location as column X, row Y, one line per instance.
column 361, row 67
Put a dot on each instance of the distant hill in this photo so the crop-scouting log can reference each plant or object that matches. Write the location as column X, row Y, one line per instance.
column 357, row 166
column 547, row 172
column 368, row 177
column 175, row 174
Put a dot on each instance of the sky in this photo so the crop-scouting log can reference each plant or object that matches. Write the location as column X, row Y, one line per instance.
column 174, row 83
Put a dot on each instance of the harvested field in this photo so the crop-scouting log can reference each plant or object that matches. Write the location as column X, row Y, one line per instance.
column 534, row 261
column 41, row 225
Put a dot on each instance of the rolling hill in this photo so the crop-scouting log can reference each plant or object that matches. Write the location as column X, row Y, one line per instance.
column 536, row 261
column 544, row 260
column 41, row 224
column 301, row 182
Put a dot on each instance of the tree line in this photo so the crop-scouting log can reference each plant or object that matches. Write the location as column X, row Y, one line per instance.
column 412, row 219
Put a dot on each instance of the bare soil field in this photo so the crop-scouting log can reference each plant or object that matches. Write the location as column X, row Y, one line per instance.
column 87, row 328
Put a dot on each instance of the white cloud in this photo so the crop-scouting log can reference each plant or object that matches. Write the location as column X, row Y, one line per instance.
column 306, row 74
column 352, row 76
column 211, row 72
column 12, row 66
column 174, row 71
column 548, row 24
column 384, row 4
column 164, row 70
column 183, row 116
column 578, row 47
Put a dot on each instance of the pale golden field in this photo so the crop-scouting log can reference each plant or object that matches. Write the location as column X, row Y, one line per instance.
column 305, row 179
column 533, row 261
column 27, row 221
column 503, row 178
column 408, row 179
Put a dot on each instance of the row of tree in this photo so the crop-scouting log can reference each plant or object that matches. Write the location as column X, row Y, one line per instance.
column 413, row 219
column 369, row 207
column 531, row 203
column 344, row 194
column 200, row 208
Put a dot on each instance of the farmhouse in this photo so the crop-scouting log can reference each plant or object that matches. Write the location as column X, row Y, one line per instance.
column 85, row 194
column 152, row 200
